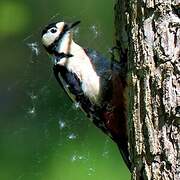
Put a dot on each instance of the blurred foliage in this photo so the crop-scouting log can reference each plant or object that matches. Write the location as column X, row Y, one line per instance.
column 42, row 135
column 14, row 18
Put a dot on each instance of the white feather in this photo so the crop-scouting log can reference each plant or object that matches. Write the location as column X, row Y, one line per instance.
column 80, row 64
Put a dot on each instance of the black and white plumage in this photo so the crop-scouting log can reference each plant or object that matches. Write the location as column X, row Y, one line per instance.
column 95, row 83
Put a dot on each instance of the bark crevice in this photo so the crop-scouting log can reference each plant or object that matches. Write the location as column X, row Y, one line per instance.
column 150, row 32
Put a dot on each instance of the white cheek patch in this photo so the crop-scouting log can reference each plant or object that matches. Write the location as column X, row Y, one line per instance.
column 48, row 39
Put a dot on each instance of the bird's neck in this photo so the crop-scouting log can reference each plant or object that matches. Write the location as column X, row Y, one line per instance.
column 65, row 43
column 68, row 47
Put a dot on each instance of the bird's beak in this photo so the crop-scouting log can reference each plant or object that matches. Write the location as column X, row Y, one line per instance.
column 74, row 24
column 63, row 28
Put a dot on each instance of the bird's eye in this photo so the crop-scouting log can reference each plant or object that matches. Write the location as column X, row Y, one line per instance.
column 53, row 30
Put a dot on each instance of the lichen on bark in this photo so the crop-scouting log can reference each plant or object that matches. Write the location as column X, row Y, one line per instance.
column 149, row 31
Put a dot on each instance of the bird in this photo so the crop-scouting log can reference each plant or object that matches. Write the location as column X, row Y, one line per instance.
column 98, row 85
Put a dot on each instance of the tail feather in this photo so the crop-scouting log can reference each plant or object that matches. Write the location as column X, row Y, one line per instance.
column 123, row 148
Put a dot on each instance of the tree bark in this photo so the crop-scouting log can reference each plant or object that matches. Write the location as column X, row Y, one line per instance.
column 149, row 31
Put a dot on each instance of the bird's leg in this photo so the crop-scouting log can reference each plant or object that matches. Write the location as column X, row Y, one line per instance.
column 122, row 54
column 112, row 52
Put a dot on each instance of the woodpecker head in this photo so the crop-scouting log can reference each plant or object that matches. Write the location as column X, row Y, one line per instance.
column 54, row 33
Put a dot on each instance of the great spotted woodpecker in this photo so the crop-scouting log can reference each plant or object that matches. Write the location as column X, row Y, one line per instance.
column 97, row 84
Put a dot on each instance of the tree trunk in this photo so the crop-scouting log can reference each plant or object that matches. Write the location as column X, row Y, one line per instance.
column 149, row 32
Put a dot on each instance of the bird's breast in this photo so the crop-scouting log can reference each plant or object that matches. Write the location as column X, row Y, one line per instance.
column 89, row 80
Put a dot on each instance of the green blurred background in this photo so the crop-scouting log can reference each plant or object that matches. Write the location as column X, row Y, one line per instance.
column 42, row 135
